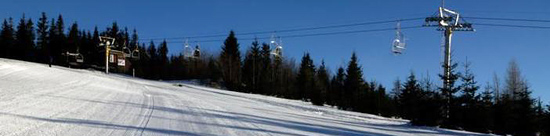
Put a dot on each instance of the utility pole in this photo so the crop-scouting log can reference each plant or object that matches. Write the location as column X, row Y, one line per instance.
column 447, row 21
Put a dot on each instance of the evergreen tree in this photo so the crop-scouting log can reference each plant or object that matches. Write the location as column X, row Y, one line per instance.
column 251, row 68
column 134, row 41
column 98, row 57
column 409, row 100
column 431, row 103
column 43, row 39
column 30, row 46
column 125, row 38
column 24, row 36
column 230, row 60
column 163, row 59
column 394, row 98
column 289, row 78
column 87, row 48
column 215, row 70
column 524, row 123
column 323, row 84
column 546, row 122
column 353, row 84
column 114, row 32
column 73, row 40
column 7, row 39
column 266, row 70
column 305, row 80
column 336, row 88
column 514, row 112
column 397, row 87
column 58, row 43
column 276, row 75
column 485, row 108
column 381, row 101
column 448, row 91
column 467, row 114
column 365, row 101
column 153, row 63
column 469, row 86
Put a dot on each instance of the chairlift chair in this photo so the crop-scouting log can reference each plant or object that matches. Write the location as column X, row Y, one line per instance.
column 135, row 54
column 398, row 44
column 127, row 52
column 278, row 51
column 197, row 52
column 278, row 48
column 79, row 58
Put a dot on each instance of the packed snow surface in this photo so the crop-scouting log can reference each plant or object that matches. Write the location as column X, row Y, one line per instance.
column 38, row 100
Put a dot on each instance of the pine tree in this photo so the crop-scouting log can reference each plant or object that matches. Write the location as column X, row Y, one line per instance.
column 230, row 60
column 397, row 87
column 409, row 100
column 114, row 32
column 323, row 85
column 524, row 124
column 486, row 119
column 353, row 84
column 42, row 43
column 276, row 75
column 153, row 62
column 251, row 68
column 30, row 48
column 20, row 39
column 134, row 41
column 431, row 103
column 73, row 40
column 380, row 100
column 514, row 112
column 394, row 98
column 125, row 38
column 58, row 43
column 97, row 57
column 467, row 112
column 7, row 39
column 266, row 70
column 163, row 59
column 289, row 78
column 305, row 80
column 336, row 85
column 546, row 122
column 522, row 113
column 469, row 86
column 215, row 70
column 448, row 90
column 24, row 36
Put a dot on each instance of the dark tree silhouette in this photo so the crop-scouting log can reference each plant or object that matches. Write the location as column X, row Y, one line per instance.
column 230, row 60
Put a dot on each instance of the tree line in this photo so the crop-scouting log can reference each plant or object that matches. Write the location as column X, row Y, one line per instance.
column 499, row 109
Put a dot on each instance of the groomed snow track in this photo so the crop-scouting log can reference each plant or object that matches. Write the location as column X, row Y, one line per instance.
column 38, row 100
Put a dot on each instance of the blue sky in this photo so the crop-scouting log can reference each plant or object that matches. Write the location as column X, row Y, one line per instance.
column 489, row 48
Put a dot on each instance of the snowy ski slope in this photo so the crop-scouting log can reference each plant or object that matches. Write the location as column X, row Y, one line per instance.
column 38, row 100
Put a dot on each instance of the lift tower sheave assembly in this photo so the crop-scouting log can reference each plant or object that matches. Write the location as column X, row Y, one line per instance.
column 447, row 21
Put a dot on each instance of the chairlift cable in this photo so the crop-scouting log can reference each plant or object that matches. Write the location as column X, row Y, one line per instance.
column 314, row 34
column 289, row 30
column 510, row 19
column 517, row 26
